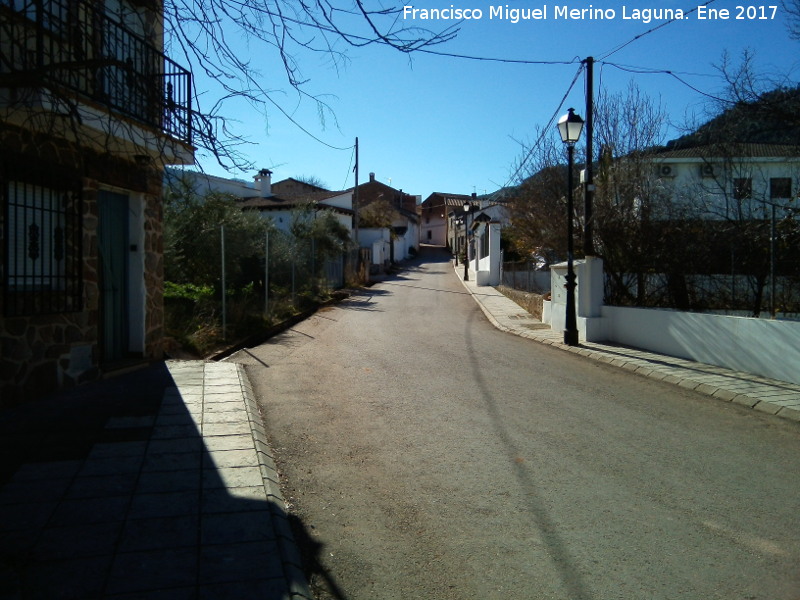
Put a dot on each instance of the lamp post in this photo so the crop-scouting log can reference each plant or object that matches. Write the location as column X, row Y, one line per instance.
column 456, row 226
column 569, row 127
column 467, row 209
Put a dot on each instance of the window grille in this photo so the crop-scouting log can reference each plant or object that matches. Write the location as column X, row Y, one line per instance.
column 42, row 270
column 742, row 188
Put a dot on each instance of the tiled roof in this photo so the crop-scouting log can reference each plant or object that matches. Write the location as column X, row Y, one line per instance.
column 280, row 202
column 734, row 150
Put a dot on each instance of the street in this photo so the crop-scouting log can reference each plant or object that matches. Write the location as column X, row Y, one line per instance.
column 430, row 456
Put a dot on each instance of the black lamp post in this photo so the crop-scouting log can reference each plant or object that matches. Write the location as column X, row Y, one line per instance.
column 456, row 226
column 570, row 126
column 467, row 209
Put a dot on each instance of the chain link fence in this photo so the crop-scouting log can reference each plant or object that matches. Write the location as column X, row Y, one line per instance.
column 286, row 277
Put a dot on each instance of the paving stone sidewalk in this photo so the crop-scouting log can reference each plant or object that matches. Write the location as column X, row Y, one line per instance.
column 760, row 393
column 182, row 503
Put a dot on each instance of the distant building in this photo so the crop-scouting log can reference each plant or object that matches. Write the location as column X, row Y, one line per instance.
column 435, row 227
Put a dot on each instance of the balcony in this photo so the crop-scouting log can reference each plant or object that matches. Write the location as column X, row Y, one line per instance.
column 77, row 51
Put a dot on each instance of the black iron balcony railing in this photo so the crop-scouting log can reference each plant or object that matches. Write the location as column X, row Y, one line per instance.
column 74, row 47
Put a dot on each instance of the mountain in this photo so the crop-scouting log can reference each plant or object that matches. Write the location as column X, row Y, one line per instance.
column 772, row 119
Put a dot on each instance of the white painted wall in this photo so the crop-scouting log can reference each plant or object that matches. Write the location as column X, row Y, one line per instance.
column 369, row 235
column 489, row 266
column 763, row 347
column 344, row 200
column 769, row 348
column 712, row 190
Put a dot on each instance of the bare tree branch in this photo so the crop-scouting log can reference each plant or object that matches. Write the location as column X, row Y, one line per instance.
column 792, row 8
column 200, row 32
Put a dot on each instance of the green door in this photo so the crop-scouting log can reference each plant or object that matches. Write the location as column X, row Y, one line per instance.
column 112, row 244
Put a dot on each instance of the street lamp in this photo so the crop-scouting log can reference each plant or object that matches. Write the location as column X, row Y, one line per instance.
column 467, row 208
column 456, row 226
column 569, row 127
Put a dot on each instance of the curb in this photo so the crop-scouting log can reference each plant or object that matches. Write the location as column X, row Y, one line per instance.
column 644, row 368
column 291, row 559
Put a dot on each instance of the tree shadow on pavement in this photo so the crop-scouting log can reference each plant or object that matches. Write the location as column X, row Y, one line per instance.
column 564, row 562
column 311, row 550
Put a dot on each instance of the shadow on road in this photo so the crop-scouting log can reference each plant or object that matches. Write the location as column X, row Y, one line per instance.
column 561, row 558
column 311, row 549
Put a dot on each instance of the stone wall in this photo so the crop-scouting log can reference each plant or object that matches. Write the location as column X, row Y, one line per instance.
column 43, row 353
column 154, row 272
column 527, row 300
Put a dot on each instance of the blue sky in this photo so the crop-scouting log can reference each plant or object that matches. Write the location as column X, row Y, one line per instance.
column 430, row 123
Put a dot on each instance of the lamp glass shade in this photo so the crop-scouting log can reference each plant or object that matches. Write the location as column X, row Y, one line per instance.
column 570, row 127
column 466, row 207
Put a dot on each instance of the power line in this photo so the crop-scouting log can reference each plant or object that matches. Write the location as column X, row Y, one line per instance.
column 546, row 129
column 656, row 28
column 349, row 168
column 646, row 71
column 516, row 61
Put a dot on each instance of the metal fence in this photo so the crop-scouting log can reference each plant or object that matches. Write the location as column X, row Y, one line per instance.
column 525, row 277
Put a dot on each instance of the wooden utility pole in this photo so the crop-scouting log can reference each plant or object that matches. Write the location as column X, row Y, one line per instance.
column 355, row 198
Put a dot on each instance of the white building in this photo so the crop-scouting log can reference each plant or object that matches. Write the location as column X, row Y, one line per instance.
column 733, row 181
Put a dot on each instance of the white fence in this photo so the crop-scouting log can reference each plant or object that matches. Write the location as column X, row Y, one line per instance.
column 764, row 347
column 770, row 348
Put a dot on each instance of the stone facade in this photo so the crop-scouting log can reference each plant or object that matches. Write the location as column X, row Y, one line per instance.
column 42, row 353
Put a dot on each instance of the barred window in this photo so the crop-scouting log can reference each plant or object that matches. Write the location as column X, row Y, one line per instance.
column 42, row 270
column 742, row 188
column 780, row 187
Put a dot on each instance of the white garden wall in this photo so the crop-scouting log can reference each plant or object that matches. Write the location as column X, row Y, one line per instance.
column 763, row 347
column 770, row 348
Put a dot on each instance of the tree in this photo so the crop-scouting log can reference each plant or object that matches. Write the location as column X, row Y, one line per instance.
column 380, row 214
column 631, row 212
column 192, row 237
column 792, row 8
column 537, row 206
column 628, row 125
column 312, row 225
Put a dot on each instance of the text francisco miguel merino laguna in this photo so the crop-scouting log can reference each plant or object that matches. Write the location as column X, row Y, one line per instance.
column 560, row 12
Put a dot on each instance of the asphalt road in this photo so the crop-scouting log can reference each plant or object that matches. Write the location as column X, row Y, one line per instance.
column 427, row 455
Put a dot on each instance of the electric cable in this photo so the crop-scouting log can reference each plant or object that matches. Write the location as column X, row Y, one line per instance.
column 653, row 29
column 544, row 132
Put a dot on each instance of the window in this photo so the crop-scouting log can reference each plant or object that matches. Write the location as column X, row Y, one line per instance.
column 742, row 188
column 780, row 187
column 42, row 270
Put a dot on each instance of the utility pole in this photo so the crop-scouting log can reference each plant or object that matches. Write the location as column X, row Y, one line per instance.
column 356, row 264
column 588, row 196
column 355, row 198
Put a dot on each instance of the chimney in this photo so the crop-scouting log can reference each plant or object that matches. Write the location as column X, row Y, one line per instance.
column 371, row 177
column 264, row 183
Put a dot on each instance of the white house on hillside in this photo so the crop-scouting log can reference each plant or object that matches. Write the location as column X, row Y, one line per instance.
column 734, row 181
column 280, row 203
